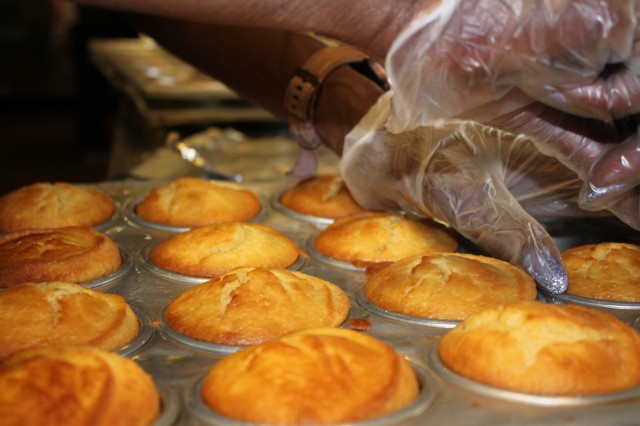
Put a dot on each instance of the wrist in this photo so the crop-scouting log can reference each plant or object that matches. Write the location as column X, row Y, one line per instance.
column 302, row 94
column 343, row 100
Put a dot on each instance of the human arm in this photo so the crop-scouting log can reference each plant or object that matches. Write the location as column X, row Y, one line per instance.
column 370, row 25
column 258, row 64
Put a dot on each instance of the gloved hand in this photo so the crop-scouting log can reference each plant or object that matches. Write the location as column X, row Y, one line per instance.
column 592, row 150
column 488, row 59
column 577, row 56
column 484, row 182
column 613, row 182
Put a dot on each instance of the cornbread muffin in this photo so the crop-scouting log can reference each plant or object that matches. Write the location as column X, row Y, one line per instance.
column 605, row 271
column 545, row 349
column 322, row 196
column 252, row 305
column 317, row 376
column 53, row 205
column 191, row 202
column 79, row 386
column 371, row 237
column 65, row 254
column 215, row 249
column 59, row 313
column 448, row 286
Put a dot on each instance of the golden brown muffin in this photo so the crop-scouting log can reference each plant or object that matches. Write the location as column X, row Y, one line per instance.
column 321, row 196
column 605, row 271
column 64, row 254
column 59, row 313
column 253, row 305
column 191, row 202
column 371, row 237
column 448, row 286
column 317, row 376
column 545, row 349
column 79, row 386
column 215, row 249
column 53, row 205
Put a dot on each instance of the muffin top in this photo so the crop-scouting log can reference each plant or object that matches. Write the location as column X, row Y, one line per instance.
column 322, row 196
column 606, row 271
column 448, row 286
column 192, row 202
column 372, row 237
column 81, row 386
column 314, row 376
column 212, row 250
column 252, row 305
column 59, row 313
column 53, row 205
column 545, row 349
column 70, row 254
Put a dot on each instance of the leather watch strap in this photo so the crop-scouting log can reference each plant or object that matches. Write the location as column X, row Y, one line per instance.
column 301, row 94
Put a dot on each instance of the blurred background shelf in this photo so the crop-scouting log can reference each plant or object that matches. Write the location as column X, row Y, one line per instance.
column 76, row 105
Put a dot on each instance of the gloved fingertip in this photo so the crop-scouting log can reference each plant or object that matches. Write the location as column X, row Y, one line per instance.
column 594, row 198
column 543, row 261
column 550, row 276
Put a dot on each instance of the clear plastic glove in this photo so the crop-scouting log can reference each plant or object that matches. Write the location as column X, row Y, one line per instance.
column 591, row 148
column 578, row 56
column 484, row 182
column 487, row 59
column 613, row 182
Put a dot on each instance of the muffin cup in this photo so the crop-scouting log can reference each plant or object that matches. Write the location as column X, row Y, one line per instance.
column 196, row 344
column 315, row 254
column 377, row 310
column 110, row 223
column 627, row 311
column 145, row 334
column 320, row 222
column 110, row 281
column 525, row 398
column 170, row 406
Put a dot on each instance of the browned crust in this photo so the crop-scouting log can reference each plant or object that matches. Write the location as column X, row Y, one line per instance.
column 191, row 202
column 545, row 349
column 215, row 249
column 53, row 205
column 372, row 237
column 59, row 313
column 76, row 386
column 253, row 305
column 322, row 196
column 448, row 286
column 65, row 254
column 317, row 376
column 606, row 271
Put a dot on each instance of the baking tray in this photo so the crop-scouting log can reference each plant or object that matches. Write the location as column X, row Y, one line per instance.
column 178, row 365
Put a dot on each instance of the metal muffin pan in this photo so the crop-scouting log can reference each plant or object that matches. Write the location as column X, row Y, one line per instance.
column 179, row 365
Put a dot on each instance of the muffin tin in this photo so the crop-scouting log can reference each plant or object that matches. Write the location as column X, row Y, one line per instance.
column 178, row 365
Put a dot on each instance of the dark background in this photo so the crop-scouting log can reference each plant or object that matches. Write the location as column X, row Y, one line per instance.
column 56, row 109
